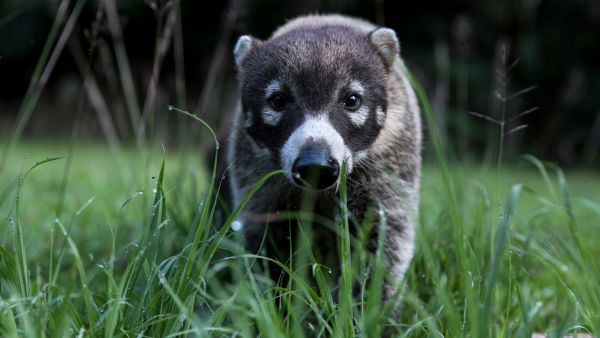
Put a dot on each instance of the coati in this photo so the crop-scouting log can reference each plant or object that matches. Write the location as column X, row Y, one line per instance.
column 323, row 90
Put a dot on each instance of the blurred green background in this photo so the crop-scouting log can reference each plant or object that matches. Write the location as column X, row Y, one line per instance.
column 533, row 61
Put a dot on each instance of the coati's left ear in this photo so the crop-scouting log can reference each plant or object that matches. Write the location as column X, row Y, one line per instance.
column 386, row 42
column 245, row 47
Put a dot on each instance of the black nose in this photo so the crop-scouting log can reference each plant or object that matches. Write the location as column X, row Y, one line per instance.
column 315, row 168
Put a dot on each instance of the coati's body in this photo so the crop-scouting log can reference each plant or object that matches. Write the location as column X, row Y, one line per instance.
column 324, row 90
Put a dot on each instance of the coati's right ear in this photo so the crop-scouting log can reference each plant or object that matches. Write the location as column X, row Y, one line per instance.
column 245, row 47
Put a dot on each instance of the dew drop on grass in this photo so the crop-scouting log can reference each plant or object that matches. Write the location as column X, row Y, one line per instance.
column 154, row 191
column 153, row 178
column 169, row 107
column 236, row 225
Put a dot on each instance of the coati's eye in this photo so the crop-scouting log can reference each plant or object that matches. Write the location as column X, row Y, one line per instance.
column 352, row 101
column 278, row 101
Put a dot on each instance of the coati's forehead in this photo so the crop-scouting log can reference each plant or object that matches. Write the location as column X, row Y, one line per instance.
column 316, row 60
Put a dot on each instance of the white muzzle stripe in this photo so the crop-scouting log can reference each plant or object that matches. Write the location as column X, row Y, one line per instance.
column 315, row 129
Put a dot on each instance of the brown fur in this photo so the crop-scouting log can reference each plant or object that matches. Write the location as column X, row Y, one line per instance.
column 388, row 175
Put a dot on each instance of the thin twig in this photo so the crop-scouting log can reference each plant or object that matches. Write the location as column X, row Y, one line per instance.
column 515, row 129
column 521, row 92
column 485, row 117
column 125, row 74
column 526, row 112
column 161, row 48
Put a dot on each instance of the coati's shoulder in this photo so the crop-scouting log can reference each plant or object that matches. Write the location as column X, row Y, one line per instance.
column 318, row 20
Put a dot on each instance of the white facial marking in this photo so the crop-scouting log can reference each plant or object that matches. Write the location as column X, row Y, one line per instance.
column 380, row 114
column 272, row 87
column 315, row 129
column 270, row 116
column 357, row 87
column 359, row 117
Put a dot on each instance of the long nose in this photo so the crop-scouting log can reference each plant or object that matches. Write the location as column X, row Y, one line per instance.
column 315, row 168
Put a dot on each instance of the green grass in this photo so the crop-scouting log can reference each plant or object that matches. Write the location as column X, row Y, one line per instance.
column 518, row 256
column 123, row 240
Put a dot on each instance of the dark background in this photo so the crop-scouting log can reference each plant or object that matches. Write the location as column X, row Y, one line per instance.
column 467, row 54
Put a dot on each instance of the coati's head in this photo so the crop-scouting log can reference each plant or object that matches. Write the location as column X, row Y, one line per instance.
column 314, row 97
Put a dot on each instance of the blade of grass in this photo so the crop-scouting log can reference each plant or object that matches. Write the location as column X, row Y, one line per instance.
column 343, row 320
column 42, row 71
column 125, row 73
column 90, row 309
column 499, row 247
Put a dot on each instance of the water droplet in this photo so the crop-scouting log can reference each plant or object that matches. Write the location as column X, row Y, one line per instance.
column 169, row 107
column 154, row 191
column 153, row 178
column 236, row 225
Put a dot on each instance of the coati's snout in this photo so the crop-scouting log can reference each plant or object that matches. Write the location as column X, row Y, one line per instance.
column 315, row 168
column 313, row 154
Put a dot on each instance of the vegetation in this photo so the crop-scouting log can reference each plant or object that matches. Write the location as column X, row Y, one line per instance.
column 127, row 248
column 124, row 238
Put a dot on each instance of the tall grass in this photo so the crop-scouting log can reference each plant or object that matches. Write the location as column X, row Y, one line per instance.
column 475, row 272
column 484, row 266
